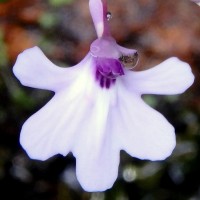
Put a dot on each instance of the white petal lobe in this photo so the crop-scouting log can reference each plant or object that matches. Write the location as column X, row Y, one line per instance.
column 145, row 133
column 170, row 77
column 35, row 70
column 96, row 154
column 51, row 130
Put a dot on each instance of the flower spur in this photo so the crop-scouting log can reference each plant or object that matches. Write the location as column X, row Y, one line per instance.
column 97, row 109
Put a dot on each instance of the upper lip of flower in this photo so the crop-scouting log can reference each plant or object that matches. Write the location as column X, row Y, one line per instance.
column 105, row 47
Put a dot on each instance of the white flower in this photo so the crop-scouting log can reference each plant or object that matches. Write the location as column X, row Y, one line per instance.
column 196, row 1
column 97, row 109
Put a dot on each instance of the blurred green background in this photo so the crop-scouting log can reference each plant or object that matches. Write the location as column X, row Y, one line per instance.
column 63, row 29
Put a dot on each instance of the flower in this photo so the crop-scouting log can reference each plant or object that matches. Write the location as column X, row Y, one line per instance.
column 97, row 109
column 196, row 1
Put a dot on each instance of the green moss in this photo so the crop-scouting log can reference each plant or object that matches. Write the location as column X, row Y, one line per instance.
column 57, row 3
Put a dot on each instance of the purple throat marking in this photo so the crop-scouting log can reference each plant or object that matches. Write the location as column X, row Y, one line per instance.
column 107, row 70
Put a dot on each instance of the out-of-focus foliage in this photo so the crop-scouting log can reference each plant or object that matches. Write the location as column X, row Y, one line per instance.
column 64, row 30
column 60, row 2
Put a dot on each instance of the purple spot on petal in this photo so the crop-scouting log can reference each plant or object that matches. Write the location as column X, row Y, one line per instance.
column 107, row 70
column 102, row 80
column 108, row 83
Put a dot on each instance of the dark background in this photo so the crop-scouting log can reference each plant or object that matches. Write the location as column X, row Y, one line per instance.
column 63, row 29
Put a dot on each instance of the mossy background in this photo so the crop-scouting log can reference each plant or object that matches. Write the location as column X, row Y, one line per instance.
column 63, row 29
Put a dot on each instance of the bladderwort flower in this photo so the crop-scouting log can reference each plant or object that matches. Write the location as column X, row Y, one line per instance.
column 97, row 109
column 196, row 1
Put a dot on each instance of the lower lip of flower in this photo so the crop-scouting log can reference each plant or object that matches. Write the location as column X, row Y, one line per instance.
column 107, row 71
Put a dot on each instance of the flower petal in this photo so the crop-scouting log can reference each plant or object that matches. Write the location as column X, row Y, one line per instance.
column 51, row 130
column 126, row 51
column 96, row 152
column 98, row 10
column 35, row 70
column 97, row 171
column 145, row 133
column 196, row 1
column 170, row 77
